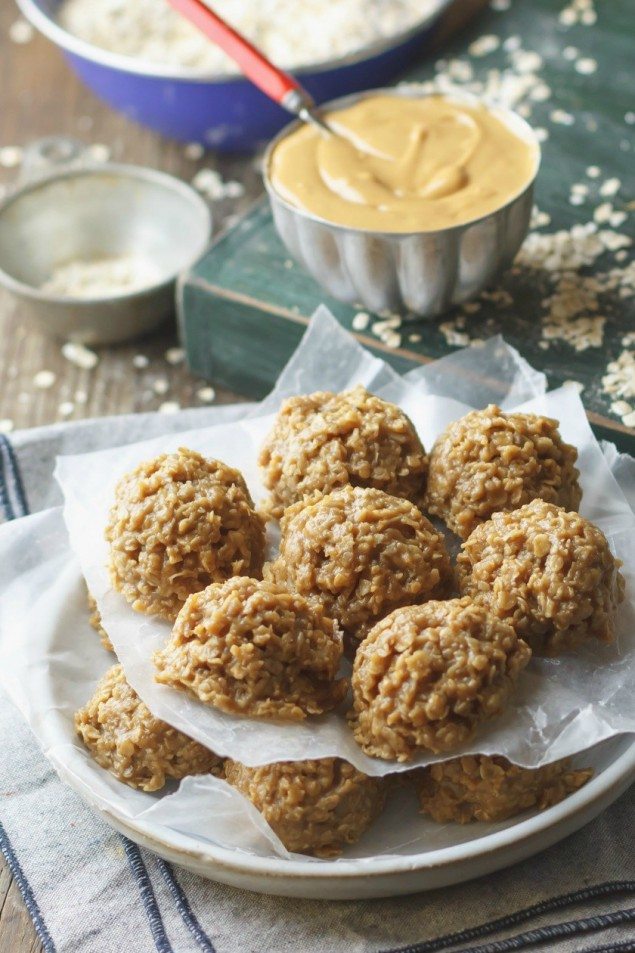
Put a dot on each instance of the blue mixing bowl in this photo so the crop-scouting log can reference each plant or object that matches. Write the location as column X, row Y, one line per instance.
column 220, row 112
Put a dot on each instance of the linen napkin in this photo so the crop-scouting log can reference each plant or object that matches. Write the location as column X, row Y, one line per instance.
column 89, row 890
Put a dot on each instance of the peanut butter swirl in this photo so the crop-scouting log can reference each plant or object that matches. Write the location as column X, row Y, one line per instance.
column 403, row 164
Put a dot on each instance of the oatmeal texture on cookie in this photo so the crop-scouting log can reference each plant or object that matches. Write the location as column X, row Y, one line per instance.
column 249, row 647
column 426, row 676
column 323, row 441
column 125, row 738
column 95, row 620
column 490, row 461
column 315, row 807
column 547, row 572
column 361, row 553
column 179, row 523
column 490, row 788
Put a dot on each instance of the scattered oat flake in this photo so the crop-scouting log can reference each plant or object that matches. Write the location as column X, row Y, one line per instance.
column 66, row 408
column 603, row 213
column 586, row 66
column 81, row 397
column 576, row 199
column 161, row 385
column 169, row 407
column 360, row 321
column 580, row 187
column 6, row 425
column 594, row 172
column 621, row 407
column 511, row 43
column 484, row 45
column 541, row 134
column 99, row 152
column 539, row 218
column 629, row 118
column 577, row 386
column 194, row 151
column 562, row 117
column 526, row 61
column 500, row 5
column 21, row 32
column 619, row 380
column 140, row 361
column 452, row 336
column 80, row 356
column 175, row 355
column 206, row 394
column 10, row 156
column 44, row 379
column 540, row 93
column 414, row 338
column 629, row 419
column 570, row 53
column 617, row 219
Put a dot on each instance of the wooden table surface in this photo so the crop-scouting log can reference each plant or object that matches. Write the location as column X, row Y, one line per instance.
column 39, row 96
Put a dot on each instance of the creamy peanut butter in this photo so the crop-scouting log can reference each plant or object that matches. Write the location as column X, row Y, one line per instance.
column 401, row 164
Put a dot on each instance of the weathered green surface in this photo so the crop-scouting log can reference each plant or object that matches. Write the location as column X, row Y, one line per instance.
column 242, row 302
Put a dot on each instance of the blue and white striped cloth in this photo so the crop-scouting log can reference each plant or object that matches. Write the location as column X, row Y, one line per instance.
column 89, row 890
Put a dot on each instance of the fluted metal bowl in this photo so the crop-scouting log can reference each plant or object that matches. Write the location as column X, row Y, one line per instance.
column 424, row 273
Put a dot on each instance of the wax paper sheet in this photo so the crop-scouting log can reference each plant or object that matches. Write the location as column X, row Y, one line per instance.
column 562, row 705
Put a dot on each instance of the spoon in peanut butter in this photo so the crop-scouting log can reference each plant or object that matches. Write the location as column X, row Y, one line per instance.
column 278, row 85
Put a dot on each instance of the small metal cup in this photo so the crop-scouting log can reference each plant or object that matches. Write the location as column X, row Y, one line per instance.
column 426, row 272
column 92, row 212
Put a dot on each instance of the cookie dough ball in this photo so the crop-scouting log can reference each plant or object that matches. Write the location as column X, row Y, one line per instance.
column 323, row 441
column 315, row 807
column 548, row 573
column 95, row 620
column 125, row 738
column 490, row 788
column 179, row 523
column 361, row 553
column 250, row 648
column 489, row 461
column 427, row 676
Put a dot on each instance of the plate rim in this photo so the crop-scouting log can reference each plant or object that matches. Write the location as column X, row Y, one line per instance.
column 615, row 776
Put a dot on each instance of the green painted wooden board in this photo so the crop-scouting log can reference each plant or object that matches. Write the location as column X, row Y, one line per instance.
column 244, row 308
